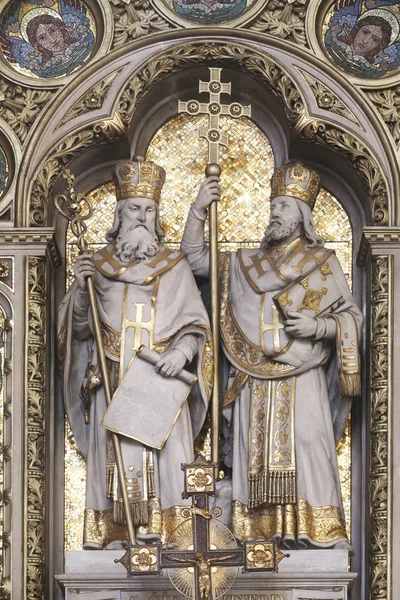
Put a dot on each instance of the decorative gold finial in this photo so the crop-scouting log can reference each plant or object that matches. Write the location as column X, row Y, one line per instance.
column 213, row 169
column 76, row 209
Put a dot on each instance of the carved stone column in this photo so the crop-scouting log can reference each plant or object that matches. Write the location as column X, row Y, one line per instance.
column 32, row 253
column 382, row 249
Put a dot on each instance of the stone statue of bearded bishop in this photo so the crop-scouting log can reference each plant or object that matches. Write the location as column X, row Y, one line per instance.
column 291, row 374
column 146, row 294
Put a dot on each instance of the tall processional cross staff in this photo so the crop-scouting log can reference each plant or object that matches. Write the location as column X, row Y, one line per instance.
column 215, row 138
column 77, row 209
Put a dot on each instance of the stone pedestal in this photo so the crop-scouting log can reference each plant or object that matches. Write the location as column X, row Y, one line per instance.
column 305, row 575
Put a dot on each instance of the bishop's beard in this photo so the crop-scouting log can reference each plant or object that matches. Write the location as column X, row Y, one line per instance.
column 136, row 242
column 279, row 230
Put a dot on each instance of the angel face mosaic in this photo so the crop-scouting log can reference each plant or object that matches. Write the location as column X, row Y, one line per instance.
column 362, row 37
column 209, row 12
column 47, row 38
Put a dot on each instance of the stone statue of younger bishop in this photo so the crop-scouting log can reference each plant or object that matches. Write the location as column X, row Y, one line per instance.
column 146, row 295
column 294, row 363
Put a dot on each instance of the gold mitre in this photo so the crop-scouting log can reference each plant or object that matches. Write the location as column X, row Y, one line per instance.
column 138, row 178
column 296, row 180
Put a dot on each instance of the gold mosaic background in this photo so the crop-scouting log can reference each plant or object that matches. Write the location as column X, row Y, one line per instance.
column 247, row 167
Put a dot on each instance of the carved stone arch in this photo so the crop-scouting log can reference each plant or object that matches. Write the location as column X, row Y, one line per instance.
column 160, row 104
column 96, row 110
column 321, row 118
column 12, row 148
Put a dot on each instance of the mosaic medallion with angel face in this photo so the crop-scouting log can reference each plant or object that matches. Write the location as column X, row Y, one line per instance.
column 362, row 37
column 47, row 38
column 208, row 12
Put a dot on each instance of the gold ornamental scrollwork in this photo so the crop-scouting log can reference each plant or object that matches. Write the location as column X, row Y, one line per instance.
column 93, row 99
column 388, row 104
column 35, row 543
column 360, row 157
column 326, row 99
column 263, row 69
column 20, row 106
column 285, row 20
column 133, row 20
column 380, row 429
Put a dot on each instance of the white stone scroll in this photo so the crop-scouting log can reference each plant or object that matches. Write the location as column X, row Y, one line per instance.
column 146, row 405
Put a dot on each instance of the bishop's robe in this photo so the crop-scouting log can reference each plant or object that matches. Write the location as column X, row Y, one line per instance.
column 281, row 417
column 155, row 303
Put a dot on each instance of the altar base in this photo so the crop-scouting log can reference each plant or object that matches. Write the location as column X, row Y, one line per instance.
column 305, row 575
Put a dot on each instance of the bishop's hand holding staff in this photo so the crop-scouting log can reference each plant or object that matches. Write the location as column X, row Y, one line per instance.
column 293, row 366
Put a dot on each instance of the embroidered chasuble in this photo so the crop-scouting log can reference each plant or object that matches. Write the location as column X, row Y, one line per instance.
column 153, row 303
column 281, row 421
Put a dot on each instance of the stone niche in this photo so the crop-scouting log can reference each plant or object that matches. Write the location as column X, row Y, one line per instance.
column 305, row 575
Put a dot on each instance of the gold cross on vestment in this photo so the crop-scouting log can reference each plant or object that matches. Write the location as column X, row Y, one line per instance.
column 309, row 255
column 214, row 109
column 257, row 265
column 139, row 325
column 275, row 326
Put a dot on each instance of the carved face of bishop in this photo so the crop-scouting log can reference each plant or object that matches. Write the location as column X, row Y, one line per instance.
column 137, row 237
column 286, row 220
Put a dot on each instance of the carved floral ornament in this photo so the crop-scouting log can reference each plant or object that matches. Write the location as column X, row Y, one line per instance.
column 134, row 19
column 304, row 126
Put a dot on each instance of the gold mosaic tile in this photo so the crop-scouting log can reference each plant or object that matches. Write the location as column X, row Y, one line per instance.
column 247, row 166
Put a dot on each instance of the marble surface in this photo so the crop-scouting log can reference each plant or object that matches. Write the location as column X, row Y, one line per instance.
column 299, row 561
column 305, row 575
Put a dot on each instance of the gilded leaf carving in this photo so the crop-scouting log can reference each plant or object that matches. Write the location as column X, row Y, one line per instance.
column 388, row 104
column 283, row 19
column 326, row 99
column 380, row 435
column 20, row 106
column 133, row 20
column 360, row 157
column 35, row 442
column 93, row 99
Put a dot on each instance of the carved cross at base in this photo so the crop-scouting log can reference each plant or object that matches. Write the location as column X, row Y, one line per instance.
column 201, row 557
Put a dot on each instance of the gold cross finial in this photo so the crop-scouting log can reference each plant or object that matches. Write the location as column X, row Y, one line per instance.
column 214, row 109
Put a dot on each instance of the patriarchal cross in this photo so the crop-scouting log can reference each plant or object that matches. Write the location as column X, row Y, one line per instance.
column 215, row 138
column 214, row 109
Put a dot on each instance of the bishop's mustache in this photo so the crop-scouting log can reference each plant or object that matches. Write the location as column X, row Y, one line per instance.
column 137, row 224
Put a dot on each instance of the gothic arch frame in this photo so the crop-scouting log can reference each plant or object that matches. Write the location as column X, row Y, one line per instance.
column 89, row 112
column 95, row 110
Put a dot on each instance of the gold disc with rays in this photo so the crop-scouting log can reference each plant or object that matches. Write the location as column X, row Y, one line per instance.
column 222, row 578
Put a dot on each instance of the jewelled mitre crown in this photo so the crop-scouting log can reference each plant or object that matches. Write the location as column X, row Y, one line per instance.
column 138, row 178
column 296, row 180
